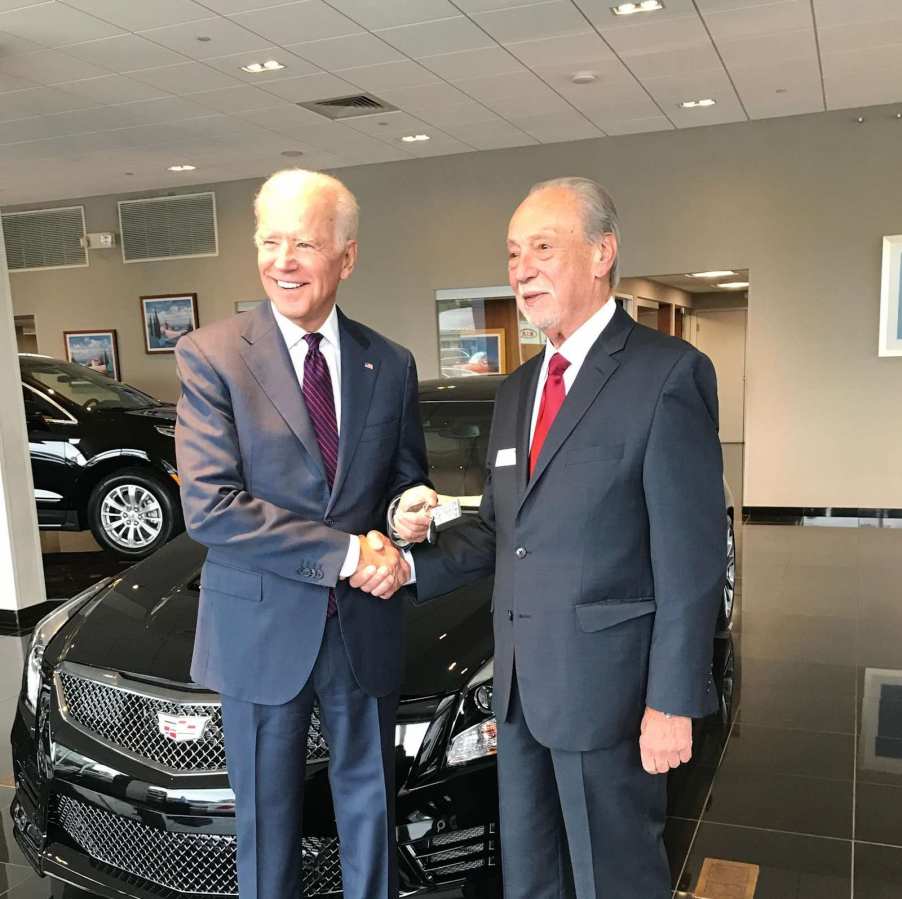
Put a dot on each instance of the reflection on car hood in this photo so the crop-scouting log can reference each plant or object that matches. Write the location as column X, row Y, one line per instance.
column 144, row 627
column 163, row 414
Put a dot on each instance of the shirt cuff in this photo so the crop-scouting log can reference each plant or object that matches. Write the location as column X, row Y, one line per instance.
column 408, row 558
column 393, row 535
column 352, row 559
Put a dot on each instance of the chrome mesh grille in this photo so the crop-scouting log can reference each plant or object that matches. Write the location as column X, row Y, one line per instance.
column 130, row 721
column 449, row 856
column 195, row 863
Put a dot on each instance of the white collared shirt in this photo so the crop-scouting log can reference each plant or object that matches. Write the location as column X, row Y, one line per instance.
column 330, row 347
column 574, row 349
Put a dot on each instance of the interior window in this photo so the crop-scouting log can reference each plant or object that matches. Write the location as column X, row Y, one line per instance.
column 457, row 437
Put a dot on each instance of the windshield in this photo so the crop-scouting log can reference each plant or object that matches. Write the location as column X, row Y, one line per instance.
column 84, row 387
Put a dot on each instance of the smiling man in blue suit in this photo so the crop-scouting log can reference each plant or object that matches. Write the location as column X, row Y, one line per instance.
column 295, row 427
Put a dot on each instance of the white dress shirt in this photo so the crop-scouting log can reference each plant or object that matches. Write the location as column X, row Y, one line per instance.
column 330, row 347
column 574, row 349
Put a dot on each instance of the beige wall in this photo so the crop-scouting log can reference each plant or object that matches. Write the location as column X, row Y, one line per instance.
column 802, row 202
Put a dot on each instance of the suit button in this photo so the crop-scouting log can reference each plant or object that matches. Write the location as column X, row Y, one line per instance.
column 510, row 615
column 330, row 522
column 520, row 552
column 319, row 575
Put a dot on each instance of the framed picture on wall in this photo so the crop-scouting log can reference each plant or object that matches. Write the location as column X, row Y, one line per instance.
column 477, row 352
column 97, row 350
column 165, row 318
column 891, row 298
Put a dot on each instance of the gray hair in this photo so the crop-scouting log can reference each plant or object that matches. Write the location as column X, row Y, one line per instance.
column 599, row 212
column 296, row 182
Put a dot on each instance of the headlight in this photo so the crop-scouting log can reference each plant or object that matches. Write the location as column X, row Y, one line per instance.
column 475, row 731
column 166, row 430
column 46, row 629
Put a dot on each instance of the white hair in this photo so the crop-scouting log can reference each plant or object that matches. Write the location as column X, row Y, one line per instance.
column 599, row 212
column 298, row 182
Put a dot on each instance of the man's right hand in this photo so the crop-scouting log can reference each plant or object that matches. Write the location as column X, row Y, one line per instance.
column 381, row 569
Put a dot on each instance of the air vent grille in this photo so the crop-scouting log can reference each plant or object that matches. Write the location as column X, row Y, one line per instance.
column 45, row 238
column 177, row 227
column 347, row 107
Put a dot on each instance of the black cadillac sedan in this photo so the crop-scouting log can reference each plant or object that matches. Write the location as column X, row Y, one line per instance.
column 121, row 787
column 102, row 456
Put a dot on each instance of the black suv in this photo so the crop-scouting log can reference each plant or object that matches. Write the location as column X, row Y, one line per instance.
column 102, row 457
column 119, row 762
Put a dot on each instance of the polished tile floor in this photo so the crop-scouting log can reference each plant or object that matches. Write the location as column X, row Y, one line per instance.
column 800, row 775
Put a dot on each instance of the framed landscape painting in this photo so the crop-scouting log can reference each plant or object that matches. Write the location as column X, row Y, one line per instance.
column 166, row 318
column 97, row 350
column 891, row 298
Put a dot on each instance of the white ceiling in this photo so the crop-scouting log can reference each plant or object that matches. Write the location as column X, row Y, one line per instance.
column 91, row 90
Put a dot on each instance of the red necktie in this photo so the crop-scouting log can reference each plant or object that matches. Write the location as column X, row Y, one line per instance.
column 552, row 399
column 317, row 390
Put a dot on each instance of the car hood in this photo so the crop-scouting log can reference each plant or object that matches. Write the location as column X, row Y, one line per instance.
column 162, row 414
column 144, row 624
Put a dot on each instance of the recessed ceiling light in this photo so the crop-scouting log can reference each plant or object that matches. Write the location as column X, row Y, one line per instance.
column 583, row 77
column 254, row 68
column 204, row 38
column 630, row 9
column 414, row 138
column 711, row 274
column 734, row 285
column 694, row 104
column 182, row 168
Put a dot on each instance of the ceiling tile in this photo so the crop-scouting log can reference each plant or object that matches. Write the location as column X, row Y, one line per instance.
column 14, row 83
column 38, row 101
column 659, row 35
column 750, row 52
column 389, row 127
column 789, row 15
column 841, row 12
column 53, row 24
column 48, row 67
column 443, row 36
column 309, row 20
column 557, row 127
column 112, row 89
column 10, row 45
column 243, row 98
column 550, row 19
column 375, row 14
column 225, row 38
column 186, row 78
column 672, row 90
column 126, row 53
column 672, row 62
column 310, row 87
column 860, row 36
column 424, row 97
column 473, row 63
column 281, row 115
column 494, row 136
column 644, row 125
column 624, row 103
column 475, row 6
column 294, row 65
column 166, row 109
column 343, row 52
column 386, row 75
column 442, row 145
column 568, row 52
column 863, row 77
column 599, row 13
column 135, row 16
column 453, row 115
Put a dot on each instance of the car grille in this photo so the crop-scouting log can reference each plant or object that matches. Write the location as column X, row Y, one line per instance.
column 129, row 720
column 196, row 863
column 449, row 856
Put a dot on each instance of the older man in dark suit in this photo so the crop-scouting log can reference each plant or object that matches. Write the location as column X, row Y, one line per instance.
column 295, row 427
column 603, row 521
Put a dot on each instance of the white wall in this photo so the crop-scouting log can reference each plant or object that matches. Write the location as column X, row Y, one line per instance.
column 802, row 202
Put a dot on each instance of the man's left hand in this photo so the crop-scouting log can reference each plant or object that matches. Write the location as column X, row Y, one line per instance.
column 665, row 741
column 413, row 515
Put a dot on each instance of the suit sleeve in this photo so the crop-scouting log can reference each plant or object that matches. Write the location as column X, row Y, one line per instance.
column 683, row 481
column 464, row 553
column 411, row 467
column 219, row 511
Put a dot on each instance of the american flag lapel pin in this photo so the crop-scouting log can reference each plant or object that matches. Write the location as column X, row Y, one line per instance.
column 368, row 365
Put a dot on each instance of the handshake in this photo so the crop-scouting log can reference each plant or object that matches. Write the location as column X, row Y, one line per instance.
column 382, row 569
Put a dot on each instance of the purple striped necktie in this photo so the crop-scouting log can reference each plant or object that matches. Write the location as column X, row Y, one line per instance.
column 320, row 404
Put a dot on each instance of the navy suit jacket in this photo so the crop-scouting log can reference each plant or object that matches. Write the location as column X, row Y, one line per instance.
column 609, row 560
column 254, row 491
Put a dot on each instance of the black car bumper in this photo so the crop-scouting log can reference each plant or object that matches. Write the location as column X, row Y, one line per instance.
column 107, row 824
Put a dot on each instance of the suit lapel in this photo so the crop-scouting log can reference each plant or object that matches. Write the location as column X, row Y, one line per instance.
column 267, row 357
column 525, row 402
column 596, row 370
column 359, row 371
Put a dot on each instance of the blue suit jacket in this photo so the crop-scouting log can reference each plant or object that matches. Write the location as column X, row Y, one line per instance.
column 254, row 491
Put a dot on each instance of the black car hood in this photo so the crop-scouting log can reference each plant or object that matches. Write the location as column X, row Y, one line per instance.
column 144, row 627
column 158, row 413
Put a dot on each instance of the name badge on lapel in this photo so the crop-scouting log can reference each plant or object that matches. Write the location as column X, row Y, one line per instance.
column 506, row 457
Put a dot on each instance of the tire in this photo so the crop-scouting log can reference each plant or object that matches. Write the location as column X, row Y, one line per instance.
column 725, row 616
column 133, row 512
